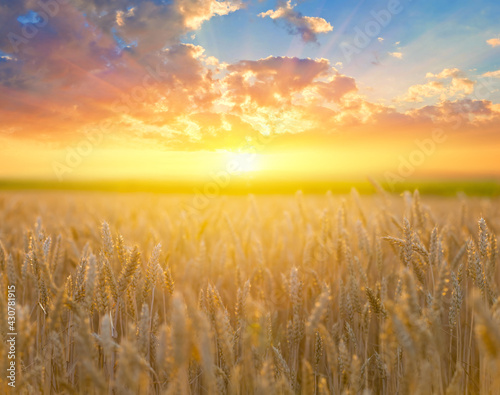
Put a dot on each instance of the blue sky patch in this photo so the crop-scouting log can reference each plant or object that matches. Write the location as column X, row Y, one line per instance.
column 122, row 44
column 31, row 17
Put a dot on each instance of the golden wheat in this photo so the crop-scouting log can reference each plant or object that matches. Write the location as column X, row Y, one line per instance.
column 267, row 294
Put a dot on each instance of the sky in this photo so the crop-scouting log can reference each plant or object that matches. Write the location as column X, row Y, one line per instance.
column 316, row 89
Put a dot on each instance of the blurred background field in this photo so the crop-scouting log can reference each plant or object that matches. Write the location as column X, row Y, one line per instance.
column 242, row 186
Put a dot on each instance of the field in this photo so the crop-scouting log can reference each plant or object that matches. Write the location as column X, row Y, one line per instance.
column 141, row 293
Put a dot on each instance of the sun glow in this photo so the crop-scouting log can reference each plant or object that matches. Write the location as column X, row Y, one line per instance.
column 243, row 162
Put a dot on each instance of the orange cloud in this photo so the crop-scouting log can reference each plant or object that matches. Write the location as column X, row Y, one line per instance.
column 163, row 93
column 335, row 89
column 273, row 80
column 494, row 42
column 494, row 74
column 460, row 113
column 198, row 12
column 106, row 64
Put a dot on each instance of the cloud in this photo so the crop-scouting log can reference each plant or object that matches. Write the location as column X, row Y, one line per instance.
column 417, row 92
column 197, row 12
column 494, row 74
column 279, row 94
column 397, row 55
column 335, row 89
column 185, row 83
column 308, row 27
column 458, row 85
column 154, row 24
column 464, row 85
column 274, row 80
column 446, row 73
column 90, row 61
column 459, row 113
column 494, row 42
column 122, row 63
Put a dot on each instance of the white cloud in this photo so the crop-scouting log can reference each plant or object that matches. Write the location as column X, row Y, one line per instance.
column 459, row 85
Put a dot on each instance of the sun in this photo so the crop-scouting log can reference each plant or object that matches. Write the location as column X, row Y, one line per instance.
column 243, row 162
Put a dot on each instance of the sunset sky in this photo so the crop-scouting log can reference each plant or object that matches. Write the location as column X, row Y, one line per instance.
column 173, row 89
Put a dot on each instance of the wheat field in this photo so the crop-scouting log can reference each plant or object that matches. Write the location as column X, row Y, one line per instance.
column 321, row 294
